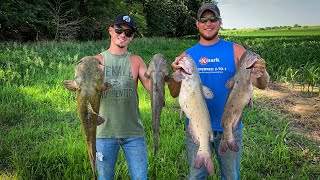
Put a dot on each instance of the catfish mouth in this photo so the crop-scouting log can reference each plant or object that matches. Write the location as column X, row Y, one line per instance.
column 185, row 72
column 184, row 69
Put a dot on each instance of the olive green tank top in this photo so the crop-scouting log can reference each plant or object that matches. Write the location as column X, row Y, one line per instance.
column 119, row 104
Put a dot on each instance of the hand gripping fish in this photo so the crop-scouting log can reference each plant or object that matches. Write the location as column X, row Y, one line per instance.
column 239, row 96
column 158, row 72
column 192, row 102
column 88, row 84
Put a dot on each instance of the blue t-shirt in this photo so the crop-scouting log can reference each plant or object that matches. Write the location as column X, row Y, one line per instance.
column 216, row 66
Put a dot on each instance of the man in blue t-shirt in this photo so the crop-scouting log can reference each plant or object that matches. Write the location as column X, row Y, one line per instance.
column 216, row 60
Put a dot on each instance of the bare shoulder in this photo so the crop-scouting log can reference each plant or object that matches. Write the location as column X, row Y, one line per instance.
column 137, row 63
column 99, row 56
column 139, row 68
column 136, row 58
column 238, row 51
column 182, row 54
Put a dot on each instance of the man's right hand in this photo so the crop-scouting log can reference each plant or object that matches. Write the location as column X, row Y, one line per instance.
column 175, row 66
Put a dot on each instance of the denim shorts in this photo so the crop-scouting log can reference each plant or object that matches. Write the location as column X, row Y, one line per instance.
column 135, row 152
column 229, row 162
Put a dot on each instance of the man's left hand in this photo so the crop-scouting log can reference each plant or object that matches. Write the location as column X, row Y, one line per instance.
column 259, row 67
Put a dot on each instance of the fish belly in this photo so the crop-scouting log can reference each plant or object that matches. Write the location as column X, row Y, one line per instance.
column 194, row 106
column 239, row 97
column 89, row 123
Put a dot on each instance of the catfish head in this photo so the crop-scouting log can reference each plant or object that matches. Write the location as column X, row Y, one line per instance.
column 88, row 76
column 188, row 65
column 161, row 63
column 158, row 68
column 88, row 70
column 188, row 68
column 247, row 61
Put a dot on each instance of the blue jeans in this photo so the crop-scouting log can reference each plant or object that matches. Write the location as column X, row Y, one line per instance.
column 229, row 162
column 135, row 152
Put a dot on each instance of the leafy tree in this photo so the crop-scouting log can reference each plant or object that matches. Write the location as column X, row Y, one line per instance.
column 100, row 14
column 25, row 20
column 21, row 19
column 171, row 17
column 63, row 19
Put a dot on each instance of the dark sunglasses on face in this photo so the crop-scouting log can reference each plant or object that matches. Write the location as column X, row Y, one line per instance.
column 205, row 20
column 120, row 30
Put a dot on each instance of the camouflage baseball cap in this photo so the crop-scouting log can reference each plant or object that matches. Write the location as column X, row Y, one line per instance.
column 210, row 7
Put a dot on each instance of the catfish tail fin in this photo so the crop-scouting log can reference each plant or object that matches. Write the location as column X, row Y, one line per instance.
column 205, row 160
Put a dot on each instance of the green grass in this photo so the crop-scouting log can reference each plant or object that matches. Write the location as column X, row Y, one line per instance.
column 41, row 136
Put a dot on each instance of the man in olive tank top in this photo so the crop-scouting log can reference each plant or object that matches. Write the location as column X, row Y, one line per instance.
column 216, row 60
column 119, row 105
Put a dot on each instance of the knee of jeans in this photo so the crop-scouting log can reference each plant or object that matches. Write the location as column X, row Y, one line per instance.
column 99, row 156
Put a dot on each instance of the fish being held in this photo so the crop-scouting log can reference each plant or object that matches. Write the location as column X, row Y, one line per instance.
column 158, row 72
column 88, row 84
column 192, row 102
column 239, row 96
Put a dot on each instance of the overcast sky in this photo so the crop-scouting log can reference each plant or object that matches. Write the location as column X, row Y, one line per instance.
column 268, row 13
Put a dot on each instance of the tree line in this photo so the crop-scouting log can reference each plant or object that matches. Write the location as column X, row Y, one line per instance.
column 33, row 20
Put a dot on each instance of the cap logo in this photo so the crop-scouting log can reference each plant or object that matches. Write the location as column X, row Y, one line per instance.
column 126, row 18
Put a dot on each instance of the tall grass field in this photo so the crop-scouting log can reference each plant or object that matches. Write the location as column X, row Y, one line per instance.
column 41, row 137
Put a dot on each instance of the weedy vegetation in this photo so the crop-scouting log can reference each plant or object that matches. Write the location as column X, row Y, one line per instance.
column 41, row 136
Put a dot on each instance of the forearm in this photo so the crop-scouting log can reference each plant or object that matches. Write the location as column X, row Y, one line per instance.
column 174, row 87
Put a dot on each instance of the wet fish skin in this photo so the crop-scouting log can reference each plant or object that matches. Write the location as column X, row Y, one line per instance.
column 158, row 73
column 88, row 84
column 239, row 97
column 192, row 102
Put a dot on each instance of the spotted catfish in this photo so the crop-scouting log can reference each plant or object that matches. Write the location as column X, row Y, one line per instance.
column 88, row 85
column 239, row 96
column 192, row 102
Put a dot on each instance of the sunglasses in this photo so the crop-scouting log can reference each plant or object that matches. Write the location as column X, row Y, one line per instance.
column 211, row 19
column 120, row 30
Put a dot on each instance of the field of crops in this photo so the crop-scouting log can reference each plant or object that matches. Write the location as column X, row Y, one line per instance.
column 41, row 136
column 273, row 31
column 292, row 55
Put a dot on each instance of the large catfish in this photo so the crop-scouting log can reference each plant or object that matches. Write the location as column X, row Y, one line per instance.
column 192, row 102
column 88, row 85
column 158, row 72
column 239, row 96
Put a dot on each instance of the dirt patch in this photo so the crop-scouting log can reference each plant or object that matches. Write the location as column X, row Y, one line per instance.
column 302, row 106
